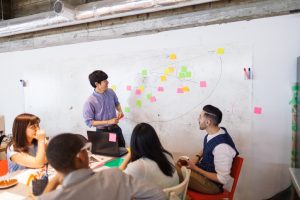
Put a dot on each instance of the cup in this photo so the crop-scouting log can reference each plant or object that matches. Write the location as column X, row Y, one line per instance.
column 39, row 185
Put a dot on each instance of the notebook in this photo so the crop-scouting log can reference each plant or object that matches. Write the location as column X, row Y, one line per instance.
column 105, row 143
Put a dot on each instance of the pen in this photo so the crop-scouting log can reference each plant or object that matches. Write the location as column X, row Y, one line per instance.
column 249, row 73
column 245, row 70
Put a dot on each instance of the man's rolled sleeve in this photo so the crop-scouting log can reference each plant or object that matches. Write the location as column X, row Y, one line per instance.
column 88, row 114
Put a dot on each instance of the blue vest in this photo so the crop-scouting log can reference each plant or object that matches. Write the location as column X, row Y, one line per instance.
column 207, row 162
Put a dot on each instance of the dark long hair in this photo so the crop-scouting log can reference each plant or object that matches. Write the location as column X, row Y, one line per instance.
column 20, row 125
column 145, row 143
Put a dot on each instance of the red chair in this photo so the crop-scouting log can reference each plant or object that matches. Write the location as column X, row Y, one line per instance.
column 235, row 173
column 3, row 167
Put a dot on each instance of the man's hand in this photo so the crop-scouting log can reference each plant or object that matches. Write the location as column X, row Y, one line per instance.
column 120, row 115
column 113, row 121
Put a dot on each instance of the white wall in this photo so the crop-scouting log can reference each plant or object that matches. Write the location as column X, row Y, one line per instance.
column 275, row 46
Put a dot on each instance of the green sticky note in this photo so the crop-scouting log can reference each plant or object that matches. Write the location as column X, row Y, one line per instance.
column 189, row 74
column 183, row 69
column 127, row 109
column 293, row 102
column 114, row 163
column 149, row 95
column 295, row 88
column 138, row 103
column 144, row 72
column 294, row 128
column 181, row 75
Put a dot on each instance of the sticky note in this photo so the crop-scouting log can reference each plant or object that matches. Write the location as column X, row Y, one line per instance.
column 127, row 109
column 179, row 90
column 160, row 88
column 128, row 87
column 138, row 92
column 163, row 78
column 166, row 72
column 114, row 88
column 220, row 51
column 295, row 88
column 183, row 69
column 173, row 56
column 171, row 69
column 152, row 99
column 138, row 103
column 144, row 72
column 142, row 88
column 112, row 137
column 181, row 75
column 188, row 74
column 257, row 110
column 149, row 95
column 114, row 163
column 202, row 83
column 186, row 89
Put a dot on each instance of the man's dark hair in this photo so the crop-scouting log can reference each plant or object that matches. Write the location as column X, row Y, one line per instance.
column 62, row 150
column 97, row 76
column 213, row 113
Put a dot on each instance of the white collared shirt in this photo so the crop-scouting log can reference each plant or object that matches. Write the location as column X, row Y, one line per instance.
column 223, row 157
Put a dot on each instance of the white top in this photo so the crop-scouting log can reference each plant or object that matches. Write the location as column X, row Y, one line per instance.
column 147, row 169
column 223, row 157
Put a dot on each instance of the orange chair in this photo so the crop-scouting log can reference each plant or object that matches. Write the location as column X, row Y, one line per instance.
column 3, row 167
column 235, row 173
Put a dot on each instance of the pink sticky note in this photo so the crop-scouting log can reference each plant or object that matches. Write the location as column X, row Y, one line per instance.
column 179, row 90
column 112, row 137
column 160, row 89
column 257, row 110
column 202, row 83
column 152, row 99
column 138, row 92
column 128, row 87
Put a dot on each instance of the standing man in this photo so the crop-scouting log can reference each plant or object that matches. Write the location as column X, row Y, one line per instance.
column 100, row 108
column 211, row 167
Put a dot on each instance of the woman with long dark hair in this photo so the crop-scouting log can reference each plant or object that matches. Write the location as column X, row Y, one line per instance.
column 148, row 159
column 28, row 148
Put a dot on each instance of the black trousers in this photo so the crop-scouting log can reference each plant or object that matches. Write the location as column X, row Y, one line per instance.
column 115, row 129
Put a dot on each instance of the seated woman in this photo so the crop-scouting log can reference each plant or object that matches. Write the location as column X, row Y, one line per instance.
column 28, row 148
column 148, row 159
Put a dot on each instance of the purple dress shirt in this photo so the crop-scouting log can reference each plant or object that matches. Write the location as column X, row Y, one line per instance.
column 100, row 107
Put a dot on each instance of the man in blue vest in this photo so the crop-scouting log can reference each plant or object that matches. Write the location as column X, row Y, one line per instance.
column 212, row 166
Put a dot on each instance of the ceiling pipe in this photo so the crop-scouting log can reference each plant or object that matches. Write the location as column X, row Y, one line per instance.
column 64, row 14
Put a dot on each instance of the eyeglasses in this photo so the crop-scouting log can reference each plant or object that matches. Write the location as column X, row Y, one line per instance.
column 87, row 147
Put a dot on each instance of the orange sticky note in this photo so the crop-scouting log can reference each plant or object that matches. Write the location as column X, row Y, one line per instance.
column 163, row 78
column 186, row 89
column 112, row 137
column 257, row 110
column 202, row 83
column 173, row 56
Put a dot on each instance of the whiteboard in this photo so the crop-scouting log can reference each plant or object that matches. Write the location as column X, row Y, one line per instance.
column 166, row 87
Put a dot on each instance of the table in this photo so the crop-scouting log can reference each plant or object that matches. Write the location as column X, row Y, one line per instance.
column 295, row 175
column 21, row 191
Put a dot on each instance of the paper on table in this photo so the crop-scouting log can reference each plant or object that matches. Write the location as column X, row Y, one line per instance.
column 10, row 196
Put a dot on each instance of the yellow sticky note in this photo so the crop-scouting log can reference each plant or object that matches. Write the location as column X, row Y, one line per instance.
column 171, row 69
column 186, row 89
column 142, row 88
column 114, row 88
column 173, row 56
column 220, row 51
column 166, row 72
column 163, row 78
